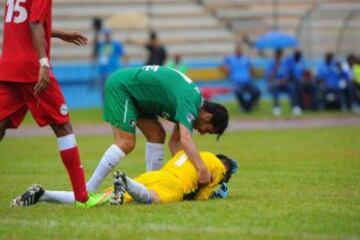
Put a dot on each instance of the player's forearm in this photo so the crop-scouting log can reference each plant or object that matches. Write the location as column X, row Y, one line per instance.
column 37, row 35
column 55, row 33
column 191, row 151
column 174, row 143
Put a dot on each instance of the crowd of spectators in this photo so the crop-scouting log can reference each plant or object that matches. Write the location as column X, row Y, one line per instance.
column 332, row 84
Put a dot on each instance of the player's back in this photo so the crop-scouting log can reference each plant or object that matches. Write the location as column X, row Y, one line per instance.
column 184, row 169
column 19, row 60
column 159, row 91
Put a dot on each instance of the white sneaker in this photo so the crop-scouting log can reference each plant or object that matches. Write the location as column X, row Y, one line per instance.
column 276, row 111
column 297, row 111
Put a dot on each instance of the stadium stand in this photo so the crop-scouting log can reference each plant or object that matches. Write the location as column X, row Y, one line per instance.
column 334, row 26
column 207, row 29
column 202, row 31
column 183, row 25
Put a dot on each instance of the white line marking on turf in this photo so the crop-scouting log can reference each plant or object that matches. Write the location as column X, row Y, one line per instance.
column 155, row 227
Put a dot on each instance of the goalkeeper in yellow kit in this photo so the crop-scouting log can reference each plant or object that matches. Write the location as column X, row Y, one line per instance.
column 176, row 181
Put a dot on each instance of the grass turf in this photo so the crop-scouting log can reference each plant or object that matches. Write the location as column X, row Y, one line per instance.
column 292, row 184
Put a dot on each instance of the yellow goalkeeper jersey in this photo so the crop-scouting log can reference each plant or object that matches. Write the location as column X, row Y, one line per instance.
column 181, row 167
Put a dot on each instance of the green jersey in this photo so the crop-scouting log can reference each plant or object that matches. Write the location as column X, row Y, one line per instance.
column 152, row 91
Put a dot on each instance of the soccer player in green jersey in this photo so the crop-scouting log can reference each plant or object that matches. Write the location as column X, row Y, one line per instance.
column 136, row 97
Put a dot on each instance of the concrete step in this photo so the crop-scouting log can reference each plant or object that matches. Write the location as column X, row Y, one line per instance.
column 59, row 51
column 262, row 1
column 247, row 13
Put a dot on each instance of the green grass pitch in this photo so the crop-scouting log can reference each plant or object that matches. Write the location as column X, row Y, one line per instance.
column 292, row 184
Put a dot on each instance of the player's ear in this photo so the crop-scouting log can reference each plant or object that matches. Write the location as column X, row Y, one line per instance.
column 208, row 116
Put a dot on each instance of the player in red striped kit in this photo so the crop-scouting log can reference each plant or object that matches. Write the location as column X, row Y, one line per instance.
column 27, row 83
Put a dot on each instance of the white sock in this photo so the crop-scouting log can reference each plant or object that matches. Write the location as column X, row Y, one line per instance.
column 138, row 191
column 154, row 155
column 107, row 163
column 58, row 196
column 66, row 142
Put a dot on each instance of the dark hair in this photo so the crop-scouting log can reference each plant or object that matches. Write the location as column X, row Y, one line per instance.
column 220, row 116
column 153, row 35
column 329, row 56
column 278, row 52
column 297, row 55
column 231, row 164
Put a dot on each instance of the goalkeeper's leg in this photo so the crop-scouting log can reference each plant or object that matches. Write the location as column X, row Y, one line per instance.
column 65, row 197
column 136, row 190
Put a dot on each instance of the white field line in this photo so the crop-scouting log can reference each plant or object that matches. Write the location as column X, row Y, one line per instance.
column 154, row 227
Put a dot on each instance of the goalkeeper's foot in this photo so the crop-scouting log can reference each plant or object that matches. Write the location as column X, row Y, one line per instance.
column 94, row 200
column 120, row 187
column 28, row 198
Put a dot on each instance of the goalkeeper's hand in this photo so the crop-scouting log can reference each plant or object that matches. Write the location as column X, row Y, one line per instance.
column 221, row 192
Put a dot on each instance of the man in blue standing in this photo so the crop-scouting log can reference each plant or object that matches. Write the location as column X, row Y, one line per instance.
column 277, row 75
column 110, row 53
column 239, row 70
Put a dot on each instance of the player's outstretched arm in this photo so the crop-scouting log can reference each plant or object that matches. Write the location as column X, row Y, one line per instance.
column 72, row 37
column 191, row 151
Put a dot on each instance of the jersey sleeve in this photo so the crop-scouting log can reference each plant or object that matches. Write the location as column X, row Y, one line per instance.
column 186, row 114
column 39, row 10
column 204, row 193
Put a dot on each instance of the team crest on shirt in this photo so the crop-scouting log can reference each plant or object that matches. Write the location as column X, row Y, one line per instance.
column 165, row 115
column 190, row 118
column 132, row 122
column 63, row 109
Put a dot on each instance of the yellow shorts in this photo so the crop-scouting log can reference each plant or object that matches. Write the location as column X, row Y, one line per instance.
column 166, row 185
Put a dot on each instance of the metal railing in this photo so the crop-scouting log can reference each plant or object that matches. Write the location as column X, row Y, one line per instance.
column 345, row 25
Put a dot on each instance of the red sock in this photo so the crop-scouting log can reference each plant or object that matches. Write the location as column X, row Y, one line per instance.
column 71, row 160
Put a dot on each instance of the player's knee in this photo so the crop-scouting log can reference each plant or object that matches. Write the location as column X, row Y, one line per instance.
column 127, row 145
column 156, row 136
column 154, row 197
column 61, row 130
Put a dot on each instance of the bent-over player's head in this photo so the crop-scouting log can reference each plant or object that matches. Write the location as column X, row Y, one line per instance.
column 213, row 118
column 231, row 166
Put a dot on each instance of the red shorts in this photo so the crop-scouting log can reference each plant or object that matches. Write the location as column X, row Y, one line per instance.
column 17, row 98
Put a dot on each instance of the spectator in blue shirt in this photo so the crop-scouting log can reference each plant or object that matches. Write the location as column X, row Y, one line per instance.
column 109, row 54
column 329, row 75
column 301, row 81
column 278, row 77
column 347, row 84
column 239, row 70
column 329, row 72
